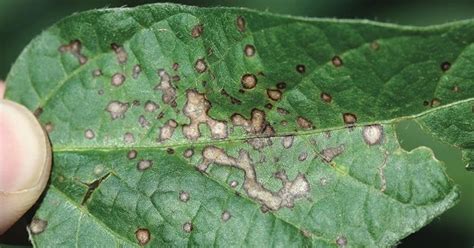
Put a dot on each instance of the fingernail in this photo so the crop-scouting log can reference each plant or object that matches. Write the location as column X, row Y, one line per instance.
column 24, row 148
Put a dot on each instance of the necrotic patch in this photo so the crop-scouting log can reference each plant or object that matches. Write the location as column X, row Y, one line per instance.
column 285, row 197
column 196, row 109
column 136, row 71
column 120, row 53
column 166, row 132
column 330, row 153
column 74, row 47
column 197, row 30
column 304, row 123
column 372, row 134
column 167, row 88
column 117, row 109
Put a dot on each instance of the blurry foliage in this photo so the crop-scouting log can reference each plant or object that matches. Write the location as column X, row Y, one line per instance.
column 21, row 20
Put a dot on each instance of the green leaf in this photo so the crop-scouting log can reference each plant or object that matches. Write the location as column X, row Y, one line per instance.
column 176, row 125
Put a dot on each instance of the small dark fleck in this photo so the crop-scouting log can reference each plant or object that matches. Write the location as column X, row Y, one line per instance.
column 375, row 45
column 426, row 103
column 269, row 106
column 455, row 88
column 281, row 85
column 445, row 66
column 175, row 66
column 38, row 112
column 160, row 115
column 300, row 68
column 170, row 151
column 176, row 78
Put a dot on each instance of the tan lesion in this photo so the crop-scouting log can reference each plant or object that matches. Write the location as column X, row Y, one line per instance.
column 196, row 109
column 286, row 196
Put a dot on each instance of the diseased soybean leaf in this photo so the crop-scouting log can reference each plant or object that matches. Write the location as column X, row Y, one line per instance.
column 176, row 125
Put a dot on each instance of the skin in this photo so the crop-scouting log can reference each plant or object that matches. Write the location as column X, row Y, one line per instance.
column 25, row 160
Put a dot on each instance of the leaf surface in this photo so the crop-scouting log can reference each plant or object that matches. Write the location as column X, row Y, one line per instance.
column 229, row 127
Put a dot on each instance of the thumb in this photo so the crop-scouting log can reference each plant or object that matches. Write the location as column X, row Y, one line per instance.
column 25, row 161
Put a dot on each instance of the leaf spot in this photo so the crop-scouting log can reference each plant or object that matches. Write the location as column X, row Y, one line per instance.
column 372, row 134
column 128, row 138
column 188, row 153
column 274, row 94
column 249, row 50
column 136, row 70
column 169, row 91
column 285, row 197
column 132, row 154
column 200, row 66
column 151, row 106
column 89, row 134
column 241, row 24
column 183, row 196
column 304, row 123
column 74, row 47
column 196, row 109
column 117, row 79
column 445, row 66
column 143, row 236
column 336, row 61
column 287, row 141
column 325, row 97
column 188, row 227
column 301, row 68
column 117, row 109
column 330, row 153
column 120, row 53
column 225, row 216
column 166, row 132
column 37, row 226
column 249, row 81
column 144, row 164
column 197, row 31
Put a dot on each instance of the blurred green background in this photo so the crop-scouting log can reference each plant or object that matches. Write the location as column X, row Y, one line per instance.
column 21, row 20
